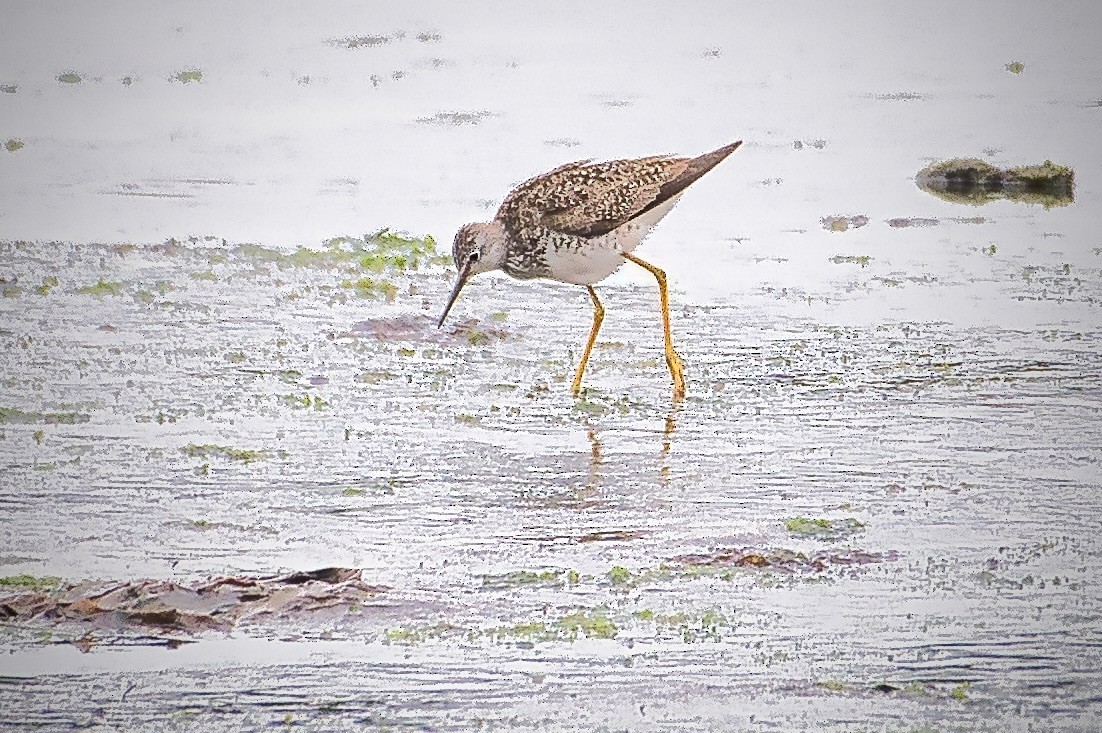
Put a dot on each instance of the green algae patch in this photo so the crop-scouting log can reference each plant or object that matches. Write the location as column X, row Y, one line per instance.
column 526, row 631
column 70, row 77
column 101, row 288
column 392, row 250
column 1015, row 67
column 30, row 582
column 12, row 145
column 520, row 578
column 408, row 635
column 376, row 252
column 244, row 455
column 725, row 563
column 16, row 416
column 823, row 529
column 686, row 626
column 862, row 260
column 49, row 282
column 977, row 182
column 304, row 401
column 477, row 338
column 188, row 76
column 619, row 575
column 594, row 624
column 843, row 223
column 832, row 686
column 257, row 253
column 370, row 288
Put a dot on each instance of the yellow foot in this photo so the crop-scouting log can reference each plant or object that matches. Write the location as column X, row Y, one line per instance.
column 677, row 371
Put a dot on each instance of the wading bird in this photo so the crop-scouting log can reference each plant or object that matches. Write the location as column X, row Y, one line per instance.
column 578, row 224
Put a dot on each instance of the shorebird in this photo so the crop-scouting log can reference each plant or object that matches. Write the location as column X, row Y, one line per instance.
column 578, row 224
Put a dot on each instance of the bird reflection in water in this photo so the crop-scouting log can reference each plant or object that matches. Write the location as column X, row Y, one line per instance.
column 667, row 442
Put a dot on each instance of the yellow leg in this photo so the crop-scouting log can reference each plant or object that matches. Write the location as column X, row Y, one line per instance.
column 673, row 361
column 598, row 316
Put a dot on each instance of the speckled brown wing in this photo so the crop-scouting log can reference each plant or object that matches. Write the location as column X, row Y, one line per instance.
column 585, row 199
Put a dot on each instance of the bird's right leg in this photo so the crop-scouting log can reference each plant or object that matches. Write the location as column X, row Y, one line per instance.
column 598, row 316
column 673, row 361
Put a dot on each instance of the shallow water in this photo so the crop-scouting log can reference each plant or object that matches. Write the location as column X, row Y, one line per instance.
column 939, row 383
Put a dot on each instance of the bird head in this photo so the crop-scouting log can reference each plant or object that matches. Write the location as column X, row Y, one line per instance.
column 477, row 248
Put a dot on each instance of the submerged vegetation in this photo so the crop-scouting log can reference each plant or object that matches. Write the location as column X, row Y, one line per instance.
column 862, row 260
column 101, row 288
column 245, row 455
column 376, row 252
column 187, row 76
column 825, row 529
column 367, row 287
column 594, row 624
column 49, row 282
column 15, row 415
column 304, row 401
column 29, row 582
column 519, row 578
column 843, row 223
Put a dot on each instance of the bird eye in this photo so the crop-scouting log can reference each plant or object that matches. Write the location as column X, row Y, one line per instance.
column 473, row 256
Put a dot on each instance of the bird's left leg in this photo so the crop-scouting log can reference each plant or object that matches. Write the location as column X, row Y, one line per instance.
column 598, row 316
column 673, row 361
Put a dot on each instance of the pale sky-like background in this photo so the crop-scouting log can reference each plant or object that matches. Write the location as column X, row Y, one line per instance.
column 292, row 137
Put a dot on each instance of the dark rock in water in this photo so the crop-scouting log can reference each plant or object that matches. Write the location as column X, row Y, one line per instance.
column 976, row 182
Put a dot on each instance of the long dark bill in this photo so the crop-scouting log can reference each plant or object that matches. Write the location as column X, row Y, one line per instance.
column 460, row 281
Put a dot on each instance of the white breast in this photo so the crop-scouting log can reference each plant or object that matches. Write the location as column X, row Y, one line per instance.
column 600, row 257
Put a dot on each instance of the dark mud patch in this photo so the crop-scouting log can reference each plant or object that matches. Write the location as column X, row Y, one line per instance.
column 422, row 329
column 219, row 603
column 976, row 182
